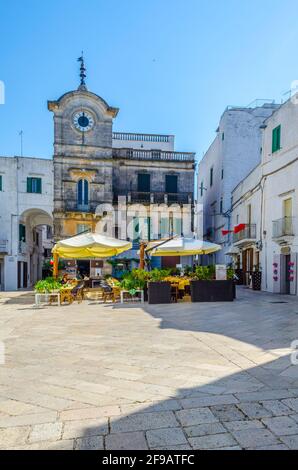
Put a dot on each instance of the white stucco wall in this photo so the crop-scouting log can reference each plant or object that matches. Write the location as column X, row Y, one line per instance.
column 236, row 151
column 17, row 206
column 280, row 180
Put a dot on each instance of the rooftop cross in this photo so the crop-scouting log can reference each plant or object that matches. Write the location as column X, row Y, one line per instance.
column 82, row 73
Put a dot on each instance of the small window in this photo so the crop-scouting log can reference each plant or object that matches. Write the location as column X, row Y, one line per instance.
column 144, row 182
column 276, row 133
column 222, row 174
column 171, row 184
column 1, row 183
column 221, row 206
column 82, row 228
column 83, row 193
column 49, row 232
column 22, row 233
column 223, row 136
column 211, row 177
column 34, row 185
column 202, row 189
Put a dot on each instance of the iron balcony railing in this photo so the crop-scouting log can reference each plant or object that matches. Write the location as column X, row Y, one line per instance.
column 156, row 197
column 154, row 155
column 23, row 247
column 248, row 233
column 3, row 246
column 283, row 227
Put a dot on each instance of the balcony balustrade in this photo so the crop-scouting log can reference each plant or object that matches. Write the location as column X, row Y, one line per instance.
column 3, row 246
column 283, row 227
column 131, row 136
column 153, row 155
column 156, row 197
column 248, row 233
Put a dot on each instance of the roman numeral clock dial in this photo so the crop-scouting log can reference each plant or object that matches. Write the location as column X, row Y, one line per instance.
column 83, row 121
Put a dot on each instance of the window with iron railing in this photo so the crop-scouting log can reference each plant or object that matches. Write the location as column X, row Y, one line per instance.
column 283, row 227
column 248, row 233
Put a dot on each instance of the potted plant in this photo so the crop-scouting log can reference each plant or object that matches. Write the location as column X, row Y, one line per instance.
column 48, row 285
column 159, row 291
column 205, row 288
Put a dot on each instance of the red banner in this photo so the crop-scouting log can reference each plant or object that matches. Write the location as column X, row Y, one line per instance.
column 239, row 228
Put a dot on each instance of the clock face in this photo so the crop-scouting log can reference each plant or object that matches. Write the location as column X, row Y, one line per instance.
column 83, row 121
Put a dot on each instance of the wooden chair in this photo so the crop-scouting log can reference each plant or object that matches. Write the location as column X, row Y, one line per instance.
column 70, row 295
column 113, row 294
column 174, row 292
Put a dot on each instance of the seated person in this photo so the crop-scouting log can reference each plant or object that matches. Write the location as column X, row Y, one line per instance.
column 64, row 279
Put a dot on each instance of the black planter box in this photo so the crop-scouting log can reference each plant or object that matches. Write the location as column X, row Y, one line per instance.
column 159, row 293
column 212, row 291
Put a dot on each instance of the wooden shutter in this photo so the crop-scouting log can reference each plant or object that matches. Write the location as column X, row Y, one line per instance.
column 276, row 133
column 29, row 185
column 80, row 192
column 144, row 182
column 171, row 184
column 86, row 187
column 38, row 185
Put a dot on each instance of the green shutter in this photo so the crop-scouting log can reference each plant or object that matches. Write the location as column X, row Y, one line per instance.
column 22, row 233
column 29, row 185
column 38, row 185
column 276, row 134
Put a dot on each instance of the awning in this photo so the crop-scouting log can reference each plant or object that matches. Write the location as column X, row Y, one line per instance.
column 182, row 247
column 232, row 251
column 90, row 245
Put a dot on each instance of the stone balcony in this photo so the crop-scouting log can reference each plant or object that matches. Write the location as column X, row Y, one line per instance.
column 283, row 230
column 3, row 246
column 157, row 155
column 156, row 197
column 246, row 236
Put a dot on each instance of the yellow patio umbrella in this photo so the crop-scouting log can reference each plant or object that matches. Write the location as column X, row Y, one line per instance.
column 182, row 247
column 88, row 245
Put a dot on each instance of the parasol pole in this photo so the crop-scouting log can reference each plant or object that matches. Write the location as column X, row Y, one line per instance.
column 56, row 265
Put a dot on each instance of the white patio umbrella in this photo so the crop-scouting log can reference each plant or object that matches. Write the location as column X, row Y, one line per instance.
column 182, row 247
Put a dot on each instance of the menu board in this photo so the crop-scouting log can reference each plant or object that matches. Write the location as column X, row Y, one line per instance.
column 221, row 272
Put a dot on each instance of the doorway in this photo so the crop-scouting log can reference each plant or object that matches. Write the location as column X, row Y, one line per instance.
column 1, row 275
column 287, row 287
column 247, row 264
column 83, row 267
column 22, row 274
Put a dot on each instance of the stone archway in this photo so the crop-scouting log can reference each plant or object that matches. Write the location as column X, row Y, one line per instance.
column 35, row 244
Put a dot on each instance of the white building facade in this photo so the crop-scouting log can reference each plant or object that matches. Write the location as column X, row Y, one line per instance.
column 26, row 206
column 266, row 202
column 234, row 153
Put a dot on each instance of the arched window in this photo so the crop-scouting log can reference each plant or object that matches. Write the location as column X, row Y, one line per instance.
column 83, row 193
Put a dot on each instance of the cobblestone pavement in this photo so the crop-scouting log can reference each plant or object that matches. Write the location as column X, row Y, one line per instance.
column 185, row 376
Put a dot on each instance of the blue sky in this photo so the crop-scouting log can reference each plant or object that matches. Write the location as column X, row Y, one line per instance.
column 171, row 66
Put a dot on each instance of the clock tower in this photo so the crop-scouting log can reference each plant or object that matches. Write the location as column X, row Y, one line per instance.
column 83, row 166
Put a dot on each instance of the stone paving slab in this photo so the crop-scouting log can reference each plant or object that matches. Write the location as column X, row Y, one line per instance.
column 195, row 416
column 255, row 438
column 213, row 442
column 126, row 441
column 282, row 425
column 171, row 377
column 165, row 438
column 144, row 421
